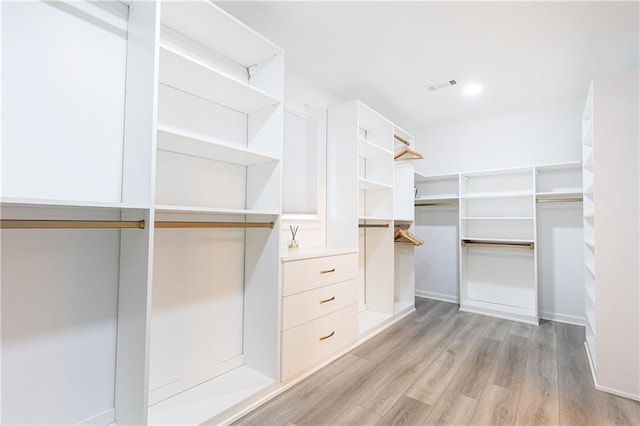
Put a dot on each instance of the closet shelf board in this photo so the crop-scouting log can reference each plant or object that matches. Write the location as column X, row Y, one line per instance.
column 209, row 25
column 515, row 313
column 165, row 208
column 489, row 195
column 192, row 75
column 210, row 398
column 590, row 270
column 498, row 240
column 560, row 166
column 438, row 197
column 588, row 137
column 590, row 244
column 177, row 140
column 366, row 184
column 591, row 295
column 575, row 192
column 368, row 149
column 378, row 218
column 77, row 204
column 498, row 218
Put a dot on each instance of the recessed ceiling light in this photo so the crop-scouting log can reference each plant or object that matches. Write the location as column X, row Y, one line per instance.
column 472, row 89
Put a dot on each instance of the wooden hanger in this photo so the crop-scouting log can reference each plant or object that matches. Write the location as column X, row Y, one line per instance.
column 402, row 236
column 407, row 153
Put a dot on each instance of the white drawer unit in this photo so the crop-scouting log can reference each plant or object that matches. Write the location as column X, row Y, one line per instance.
column 310, row 273
column 303, row 307
column 314, row 341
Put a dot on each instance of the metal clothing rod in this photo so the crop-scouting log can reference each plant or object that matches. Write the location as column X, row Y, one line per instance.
column 559, row 200
column 497, row 244
column 61, row 224
column 371, row 225
column 401, row 139
column 171, row 224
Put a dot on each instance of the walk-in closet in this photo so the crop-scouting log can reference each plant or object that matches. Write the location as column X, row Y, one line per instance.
column 288, row 213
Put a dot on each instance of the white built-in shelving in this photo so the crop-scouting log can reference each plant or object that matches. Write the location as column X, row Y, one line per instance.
column 185, row 125
column 367, row 194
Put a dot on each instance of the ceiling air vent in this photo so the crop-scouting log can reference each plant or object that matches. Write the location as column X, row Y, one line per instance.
column 435, row 87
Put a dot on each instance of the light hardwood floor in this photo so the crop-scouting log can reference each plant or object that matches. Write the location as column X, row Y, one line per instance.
column 441, row 366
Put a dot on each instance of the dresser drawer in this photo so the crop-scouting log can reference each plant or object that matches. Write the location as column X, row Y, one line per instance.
column 309, row 305
column 315, row 341
column 307, row 274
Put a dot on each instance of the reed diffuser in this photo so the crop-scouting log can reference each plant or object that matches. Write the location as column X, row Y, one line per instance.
column 293, row 244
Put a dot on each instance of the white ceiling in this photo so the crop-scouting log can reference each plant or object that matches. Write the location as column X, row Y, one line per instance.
column 388, row 53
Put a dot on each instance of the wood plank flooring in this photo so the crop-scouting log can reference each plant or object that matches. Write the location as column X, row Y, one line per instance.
column 440, row 366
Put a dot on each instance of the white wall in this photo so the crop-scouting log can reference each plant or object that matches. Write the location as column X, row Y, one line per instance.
column 540, row 134
column 547, row 133
column 306, row 97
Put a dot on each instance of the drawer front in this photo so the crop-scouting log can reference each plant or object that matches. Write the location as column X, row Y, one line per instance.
column 315, row 341
column 307, row 274
column 309, row 305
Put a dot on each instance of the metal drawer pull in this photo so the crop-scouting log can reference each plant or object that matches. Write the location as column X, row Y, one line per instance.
column 327, row 336
column 328, row 270
column 327, row 300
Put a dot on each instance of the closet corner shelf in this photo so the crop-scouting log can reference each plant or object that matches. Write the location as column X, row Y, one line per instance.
column 165, row 208
column 367, row 149
column 588, row 162
column 70, row 204
column 591, row 321
column 184, row 72
column 588, row 135
column 366, row 185
column 179, row 141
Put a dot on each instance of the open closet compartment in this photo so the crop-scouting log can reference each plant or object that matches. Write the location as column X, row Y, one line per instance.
column 403, row 212
column 73, row 297
column 214, row 338
column 498, row 273
column 360, row 205
column 434, row 189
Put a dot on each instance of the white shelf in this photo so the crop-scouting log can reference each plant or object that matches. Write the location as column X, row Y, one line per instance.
column 438, row 197
column 497, row 218
column 209, row 399
column 368, row 149
column 369, row 321
column 419, row 177
column 590, row 270
column 588, row 163
column 590, row 244
column 399, row 307
column 184, row 72
column 288, row 256
column 176, row 140
column 209, row 25
column 589, row 192
column 376, row 218
column 366, row 184
column 71, row 204
column 164, row 208
column 591, row 321
column 560, row 166
column 498, row 240
column 588, row 136
column 489, row 195
column 513, row 313
column 575, row 192
column 591, row 295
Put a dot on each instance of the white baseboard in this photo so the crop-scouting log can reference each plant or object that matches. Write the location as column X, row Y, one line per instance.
column 437, row 296
column 567, row 319
column 618, row 393
column 107, row 417
column 604, row 388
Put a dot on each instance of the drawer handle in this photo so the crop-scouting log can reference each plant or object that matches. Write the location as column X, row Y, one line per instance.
column 326, row 271
column 327, row 300
column 327, row 336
